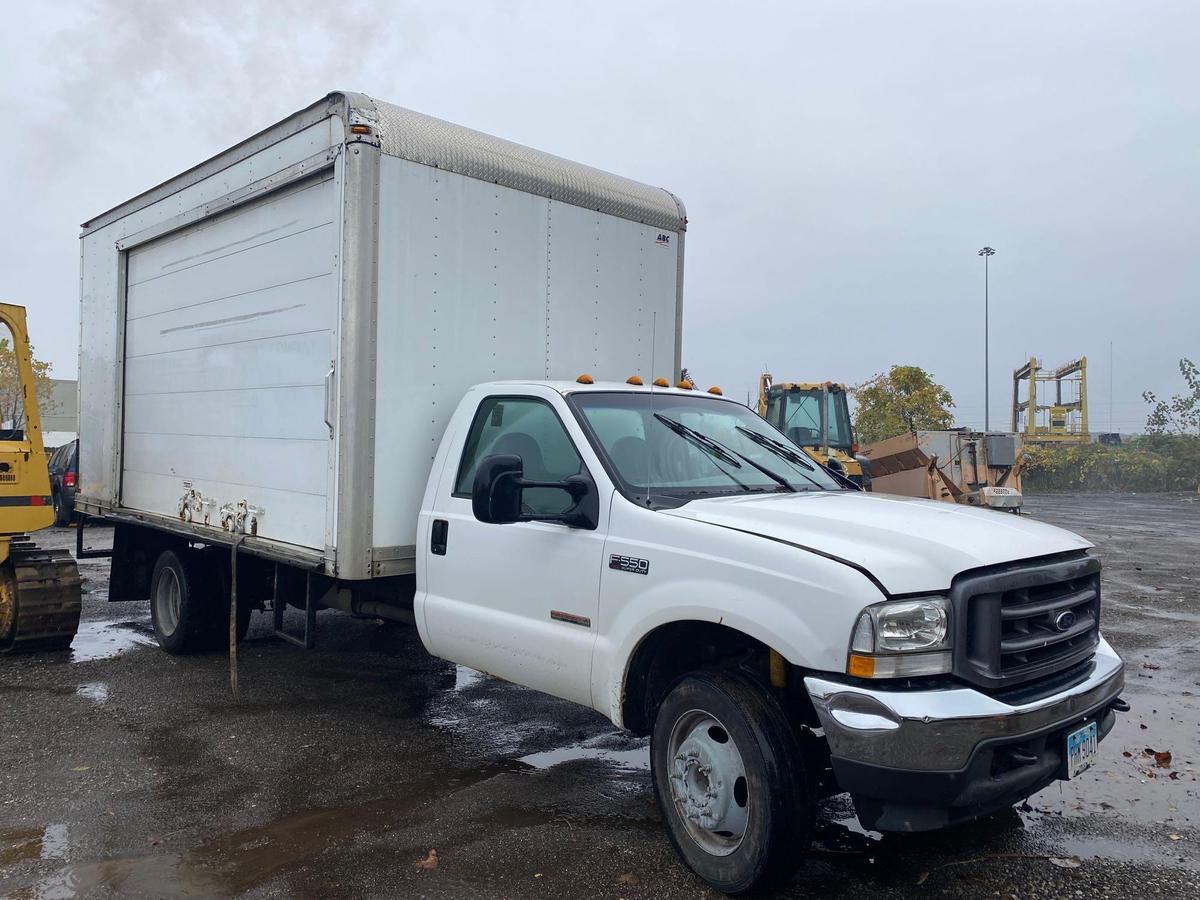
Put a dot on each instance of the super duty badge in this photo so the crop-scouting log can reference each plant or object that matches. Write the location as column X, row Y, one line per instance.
column 629, row 564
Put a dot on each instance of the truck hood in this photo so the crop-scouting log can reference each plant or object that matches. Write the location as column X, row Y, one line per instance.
column 906, row 544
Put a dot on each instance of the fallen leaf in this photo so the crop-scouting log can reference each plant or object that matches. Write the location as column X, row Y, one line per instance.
column 1152, row 666
column 1126, row 754
column 1143, row 726
column 1162, row 759
column 1065, row 862
column 628, row 878
column 429, row 862
column 1174, row 776
column 1175, row 837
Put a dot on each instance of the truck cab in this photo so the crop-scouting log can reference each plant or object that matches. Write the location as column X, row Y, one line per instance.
column 670, row 559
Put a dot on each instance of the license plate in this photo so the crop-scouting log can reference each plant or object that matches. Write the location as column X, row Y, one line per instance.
column 1082, row 748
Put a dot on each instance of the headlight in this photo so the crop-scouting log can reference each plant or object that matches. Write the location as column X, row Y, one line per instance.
column 901, row 638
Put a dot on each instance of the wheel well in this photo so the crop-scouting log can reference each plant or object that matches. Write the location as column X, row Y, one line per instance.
column 674, row 649
column 136, row 549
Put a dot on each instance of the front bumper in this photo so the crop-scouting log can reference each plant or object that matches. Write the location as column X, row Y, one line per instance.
column 920, row 759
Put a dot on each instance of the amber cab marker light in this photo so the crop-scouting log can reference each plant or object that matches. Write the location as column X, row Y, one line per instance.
column 360, row 129
column 683, row 385
column 861, row 666
column 854, row 447
column 635, row 380
column 716, row 390
column 585, row 378
column 661, row 382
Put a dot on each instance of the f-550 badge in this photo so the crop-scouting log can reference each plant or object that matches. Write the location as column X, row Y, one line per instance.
column 629, row 564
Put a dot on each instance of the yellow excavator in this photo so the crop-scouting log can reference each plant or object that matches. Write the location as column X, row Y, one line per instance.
column 816, row 418
column 39, row 589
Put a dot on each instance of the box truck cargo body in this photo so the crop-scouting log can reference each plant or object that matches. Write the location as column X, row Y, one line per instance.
column 273, row 341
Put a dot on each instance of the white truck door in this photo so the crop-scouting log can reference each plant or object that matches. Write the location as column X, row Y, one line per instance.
column 520, row 600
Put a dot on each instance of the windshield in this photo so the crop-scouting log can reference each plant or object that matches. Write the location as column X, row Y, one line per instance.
column 667, row 448
column 802, row 417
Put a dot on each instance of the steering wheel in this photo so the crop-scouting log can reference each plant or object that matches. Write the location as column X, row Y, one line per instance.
column 671, row 462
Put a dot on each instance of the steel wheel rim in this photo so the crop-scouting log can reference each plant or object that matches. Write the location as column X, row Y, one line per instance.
column 708, row 782
column 167, row 600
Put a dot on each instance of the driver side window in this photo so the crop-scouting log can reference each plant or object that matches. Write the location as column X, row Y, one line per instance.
column 528, row 428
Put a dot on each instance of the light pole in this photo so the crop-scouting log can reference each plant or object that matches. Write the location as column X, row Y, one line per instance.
column 987, row 421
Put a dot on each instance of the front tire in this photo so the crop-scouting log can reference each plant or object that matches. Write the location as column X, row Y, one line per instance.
column 730, row 781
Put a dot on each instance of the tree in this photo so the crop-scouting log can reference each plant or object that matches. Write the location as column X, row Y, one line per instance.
column 12, row 398
column 905, row 399
column 1181, row 415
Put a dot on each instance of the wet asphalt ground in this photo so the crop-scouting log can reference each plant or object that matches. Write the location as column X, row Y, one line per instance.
column 128, row 772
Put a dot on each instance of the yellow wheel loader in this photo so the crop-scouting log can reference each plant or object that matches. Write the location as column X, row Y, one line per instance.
column 39, row 589
column 816, row 418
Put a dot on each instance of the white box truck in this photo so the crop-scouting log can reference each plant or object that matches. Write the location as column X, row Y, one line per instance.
column 343, row 365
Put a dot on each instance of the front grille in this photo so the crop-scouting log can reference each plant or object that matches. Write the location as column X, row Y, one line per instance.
column 1023, row 622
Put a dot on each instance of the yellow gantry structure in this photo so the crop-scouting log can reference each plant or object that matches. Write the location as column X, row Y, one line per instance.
column 1063, row 421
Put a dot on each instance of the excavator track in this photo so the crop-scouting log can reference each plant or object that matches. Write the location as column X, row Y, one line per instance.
column 40, row 599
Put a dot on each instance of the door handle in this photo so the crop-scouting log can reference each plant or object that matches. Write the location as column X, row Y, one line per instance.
column 330, row 392
column 437, row 537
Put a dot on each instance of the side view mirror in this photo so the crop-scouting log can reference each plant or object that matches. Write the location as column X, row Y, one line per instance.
column 496, row 495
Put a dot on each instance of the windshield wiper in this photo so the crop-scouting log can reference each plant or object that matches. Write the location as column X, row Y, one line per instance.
column 796, row 457
column 716, row 448
column 709, row 446
column 782, row 450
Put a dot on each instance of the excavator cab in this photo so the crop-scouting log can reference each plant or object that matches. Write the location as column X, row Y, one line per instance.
column 815, row 416
column 39, row 589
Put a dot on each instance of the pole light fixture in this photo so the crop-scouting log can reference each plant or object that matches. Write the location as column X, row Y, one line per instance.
column 986, row 252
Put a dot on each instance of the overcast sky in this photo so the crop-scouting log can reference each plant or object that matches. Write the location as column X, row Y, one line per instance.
column 841, row 162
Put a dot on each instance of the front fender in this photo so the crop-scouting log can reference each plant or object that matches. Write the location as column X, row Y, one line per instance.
column 798, row 603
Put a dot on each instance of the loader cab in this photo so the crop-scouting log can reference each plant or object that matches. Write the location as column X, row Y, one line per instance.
column 815, row 416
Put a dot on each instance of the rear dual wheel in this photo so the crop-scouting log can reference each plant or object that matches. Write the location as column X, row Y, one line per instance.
column 189, row 602
column 730, row 781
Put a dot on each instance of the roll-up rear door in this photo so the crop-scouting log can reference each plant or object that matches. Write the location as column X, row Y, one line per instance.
column 230, row 332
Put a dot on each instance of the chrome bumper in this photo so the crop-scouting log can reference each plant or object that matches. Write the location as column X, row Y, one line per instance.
column 938, row 730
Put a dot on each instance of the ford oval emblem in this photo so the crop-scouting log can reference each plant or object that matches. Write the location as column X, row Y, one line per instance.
column 1064, row 620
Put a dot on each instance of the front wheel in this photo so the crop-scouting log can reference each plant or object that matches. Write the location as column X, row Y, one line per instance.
column 730, row 781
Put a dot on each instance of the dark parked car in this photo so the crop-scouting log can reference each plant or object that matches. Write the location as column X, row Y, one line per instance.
column 64, row 479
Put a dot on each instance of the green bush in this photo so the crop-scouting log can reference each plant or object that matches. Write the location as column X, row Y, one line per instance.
column 1158, row 462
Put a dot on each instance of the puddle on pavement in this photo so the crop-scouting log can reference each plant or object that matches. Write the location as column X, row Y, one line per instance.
column 636, row 758
column 21, row 844
column 465, row 678
column 96, row 691
column 141, row 876
column 105, row 640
